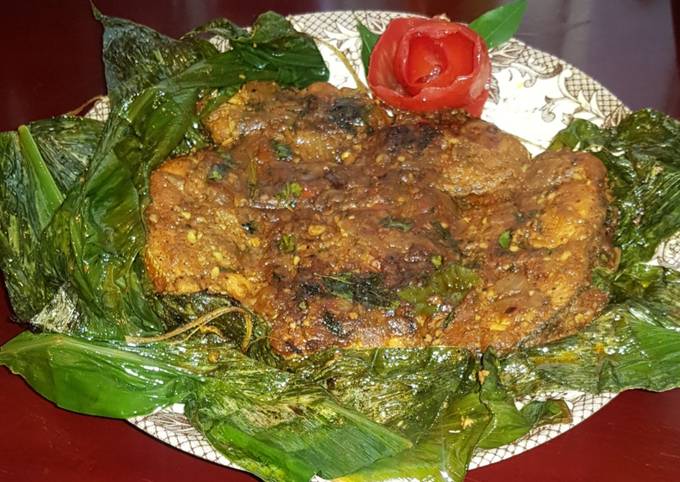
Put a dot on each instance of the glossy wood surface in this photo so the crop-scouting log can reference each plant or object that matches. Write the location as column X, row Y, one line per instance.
column 50, row 64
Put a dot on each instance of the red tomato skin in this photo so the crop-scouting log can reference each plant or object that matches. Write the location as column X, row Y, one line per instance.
column 391, row 80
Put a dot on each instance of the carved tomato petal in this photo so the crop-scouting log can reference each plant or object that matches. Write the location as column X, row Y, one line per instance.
column 430, row 64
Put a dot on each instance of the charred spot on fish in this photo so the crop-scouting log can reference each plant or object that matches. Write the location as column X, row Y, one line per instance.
column 307, row 289
column 443, row 235
column 332, row 324
column 310, row 103
column 336, row 181
column 249, row 227
column 414, row 137
column 402, row 326
column 347, row 113
column 367, row 289
column 292, row 348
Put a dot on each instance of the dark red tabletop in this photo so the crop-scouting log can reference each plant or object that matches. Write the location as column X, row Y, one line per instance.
column 50, row 64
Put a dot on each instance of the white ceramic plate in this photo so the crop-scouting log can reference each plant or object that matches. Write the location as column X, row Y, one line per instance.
column 533, row 96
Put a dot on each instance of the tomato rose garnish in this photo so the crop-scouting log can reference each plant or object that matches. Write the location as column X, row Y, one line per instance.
column 423, row 65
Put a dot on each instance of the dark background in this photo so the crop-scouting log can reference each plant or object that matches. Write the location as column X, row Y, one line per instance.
column 50, row 63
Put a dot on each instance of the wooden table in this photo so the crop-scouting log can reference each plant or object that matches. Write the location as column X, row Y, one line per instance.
column 50, row 64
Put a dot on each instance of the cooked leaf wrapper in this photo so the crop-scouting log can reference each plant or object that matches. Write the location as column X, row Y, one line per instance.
column 282, row 428
column 95, row 378
column 448, row 419
column 37, row 174
column 71, row 233
column 136, row 57
column 267, row 420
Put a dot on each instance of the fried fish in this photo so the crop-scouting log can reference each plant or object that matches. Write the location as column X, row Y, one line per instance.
column 344, row 226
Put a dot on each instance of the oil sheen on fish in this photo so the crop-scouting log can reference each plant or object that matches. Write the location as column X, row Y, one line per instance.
column 345, row 226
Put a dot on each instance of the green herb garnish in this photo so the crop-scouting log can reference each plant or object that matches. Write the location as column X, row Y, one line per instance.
column 217, row 171
column 287, row 243
column 402, row 224
column 366, row 289
column 446, row 286
column 368, row 41
column 504, row 239
column 500, row 24
column 436, row 260
column 289, row 194
column 282, row 151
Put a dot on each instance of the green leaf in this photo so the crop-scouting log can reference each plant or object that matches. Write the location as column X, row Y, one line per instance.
column 399, row 388
column 282, row 151
column 634, row 344
column 67, row 145
column 500, row 24
column 579, row 135
column 508, row 423
column 366, row 289
column 546, row 412
column 421, row 393
column 269, row 421
column 431, row 396
column 287, row 243
column 448, row 284
column 281, row 428
column 95, row 378
column 274, row 51
column 402, row 224
column 289, row 194
column 218, row 170
column 64, row 147
column 368, row 41
column 218, row 27
column 445, row 450
column 504, row 239
column 137, row 57
column 48, row 196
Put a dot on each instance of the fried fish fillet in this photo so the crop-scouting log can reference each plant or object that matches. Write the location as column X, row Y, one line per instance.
column 316, row 209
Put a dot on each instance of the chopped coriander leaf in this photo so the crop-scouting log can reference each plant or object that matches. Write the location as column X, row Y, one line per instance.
column 287, row 243
column 504, row 239
column 290, row 192
column 283, row 151
column 217, row 171
column 402, row 224
column 448, row 285
column 436, row 260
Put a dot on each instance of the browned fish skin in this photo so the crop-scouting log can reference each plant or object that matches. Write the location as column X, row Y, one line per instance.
column 315, row 183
